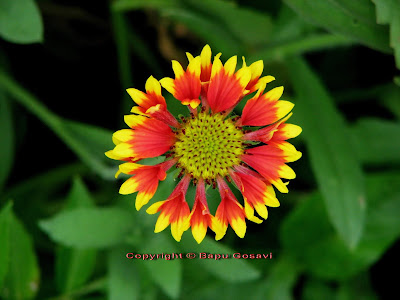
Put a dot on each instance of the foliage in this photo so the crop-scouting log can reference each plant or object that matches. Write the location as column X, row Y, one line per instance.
column 65, row 232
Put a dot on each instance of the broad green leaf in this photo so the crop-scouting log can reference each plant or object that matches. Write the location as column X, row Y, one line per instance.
column 96, row 140
column 75, row 266
column 20, row 21
column 209, row 29
column 22, row 279
column 5, row 221
column 92, row 142
column 165, row 272
column 289, row 26
column 7, row 139
column 376, row 142
column 359, row 9
column 230, row 269
column 89, row 227
column 388, row 12
column 78, row 196
column 332, row 17
column 249, row 26
column 212, row 20
column 123, row 276
column 336, row 168
column 382, row 228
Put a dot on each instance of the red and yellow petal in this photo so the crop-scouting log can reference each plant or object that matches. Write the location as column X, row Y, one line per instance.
column 151, row 98
column 278, row 132
column 152, row 103
column 265, row 109
column 186, row 86
column 256, row 195
column 148, row 138
column 286, row 131
column 256, row 82
column 206, row 65
column 174, row 211
column 200, row 217
column 226, row 87
column 145, row 180
column 269, row 162
column 229, row 211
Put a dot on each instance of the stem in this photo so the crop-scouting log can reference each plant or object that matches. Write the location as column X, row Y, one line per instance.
column 96, row 285
column 30, row 103
column 120, row 27
column 54, row 122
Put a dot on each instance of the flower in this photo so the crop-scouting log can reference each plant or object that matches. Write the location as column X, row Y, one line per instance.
column 210, row 146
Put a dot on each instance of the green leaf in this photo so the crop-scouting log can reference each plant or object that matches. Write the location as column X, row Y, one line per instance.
column 280, row 281
column 249, row 27
column 22, row 279
column 126, row 5
column 20, row 21
column 231, row 269
column 209, row 29
column 382, row 228
column 210, row 288
column 5, row 221
column 75, row 266
column 385, row 148
column 305, row 44
column 396, row 80
column 89, row 227
column 167, row 274
column 92, row 142
column 388, row 12
column 360, row 9
column 7, row 139
column 337, row 171
column 390, row 99
column 123, row 277
column 212, row 21
column 78, row 196
column 332, row 17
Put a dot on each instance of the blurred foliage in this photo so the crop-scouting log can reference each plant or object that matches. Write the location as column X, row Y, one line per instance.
column 65, row 231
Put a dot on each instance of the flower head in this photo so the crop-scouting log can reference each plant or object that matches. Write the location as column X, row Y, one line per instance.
column 210, row 146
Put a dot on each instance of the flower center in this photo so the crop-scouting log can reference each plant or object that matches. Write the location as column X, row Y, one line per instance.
column 208, row 146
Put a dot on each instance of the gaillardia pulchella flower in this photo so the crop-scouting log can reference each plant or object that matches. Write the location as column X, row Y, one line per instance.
column 211, row 146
